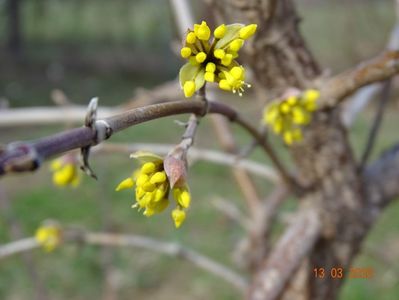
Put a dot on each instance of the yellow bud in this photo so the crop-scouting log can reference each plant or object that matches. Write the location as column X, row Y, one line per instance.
column 224, row 85
column 210, row 67
column 142, row 179
column 178, row 216
column 278, row 126
column 219, row 53
column 236, row 45
column 285, row 108
column 189, row 88
column 299, row 116
column 191, row 38
column 202, row 31
column 271, row 114
column 237, row 72
column 248, row 31
column 311, row 94
column 226, row 60
column 288, row 137
column 158, row 177
column 184, row 199
column 292, row 100
column 147, row 168
column 49, row 237
column 125, row 184
column 56, row 164
column 148, row 187
column 148, row 212
column 159, row 194
column 297, row 135
column 185, row 52
column 161, row 205
column 209, row 76
column 139, row 193
column 200, row 57
column 220, row 31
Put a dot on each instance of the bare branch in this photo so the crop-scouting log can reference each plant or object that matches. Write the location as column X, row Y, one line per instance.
column 17, row 247
column 382, row 67
column 28, row 156
column 287, row 256
column 195, row 154
column 49, row 115
column 381, row 180
column 229, row 209
column 136, row 241
column 376, row 124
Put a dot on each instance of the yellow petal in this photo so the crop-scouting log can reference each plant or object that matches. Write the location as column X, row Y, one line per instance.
column 248, row 31
column 209, row 76
column 125, row 184
column 148, row 167
column 219, row 53
column 236, row 45
column 203, row 32
column 189, row 88
column 158, row 177
column 142, row 179
column 191, row 38
column 178, row 216
column 185, row 52
column 224, row 85
column 200, row 57
column 210, row 67
column 220, row 31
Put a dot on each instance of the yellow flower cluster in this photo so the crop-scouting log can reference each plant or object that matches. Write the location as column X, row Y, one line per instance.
column 286, row 117
column 212, row 59
column 48, row 236
column 152, row 188
column 65, row 172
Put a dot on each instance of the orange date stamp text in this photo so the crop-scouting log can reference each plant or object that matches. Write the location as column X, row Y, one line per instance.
column 341, row 273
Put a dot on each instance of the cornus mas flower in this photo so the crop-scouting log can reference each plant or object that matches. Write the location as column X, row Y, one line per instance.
column 152, row 188
column 48, row 236
column 65, row 171
column 212, row 59
column 287, row 117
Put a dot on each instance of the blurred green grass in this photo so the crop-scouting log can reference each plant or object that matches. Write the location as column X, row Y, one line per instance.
column 340, row 35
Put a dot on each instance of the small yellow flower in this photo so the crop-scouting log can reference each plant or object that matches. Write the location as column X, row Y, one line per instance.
column 286, row 117
column 201, row 50
column 65, row 171
column 152, row 188
column 48, row 236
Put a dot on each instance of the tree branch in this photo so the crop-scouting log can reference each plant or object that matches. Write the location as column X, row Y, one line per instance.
column 288, row 254
column 22, row 157
column 136, row 241
column 381, row 180
column 194, row 154
column 380, row 68
column 385, row 93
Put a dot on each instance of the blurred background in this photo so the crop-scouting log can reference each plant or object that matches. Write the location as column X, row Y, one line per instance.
column 113, row 49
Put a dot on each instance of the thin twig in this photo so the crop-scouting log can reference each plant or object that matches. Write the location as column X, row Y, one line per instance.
column 136, row 241
column 385, row 93
column 229, row 209
column 194, row 154
column 17, row 247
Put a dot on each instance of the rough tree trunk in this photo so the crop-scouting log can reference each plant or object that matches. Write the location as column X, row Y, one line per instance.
column 280, row 59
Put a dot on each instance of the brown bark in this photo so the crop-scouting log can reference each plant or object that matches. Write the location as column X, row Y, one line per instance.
column 278, row 54
column 336, row 190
